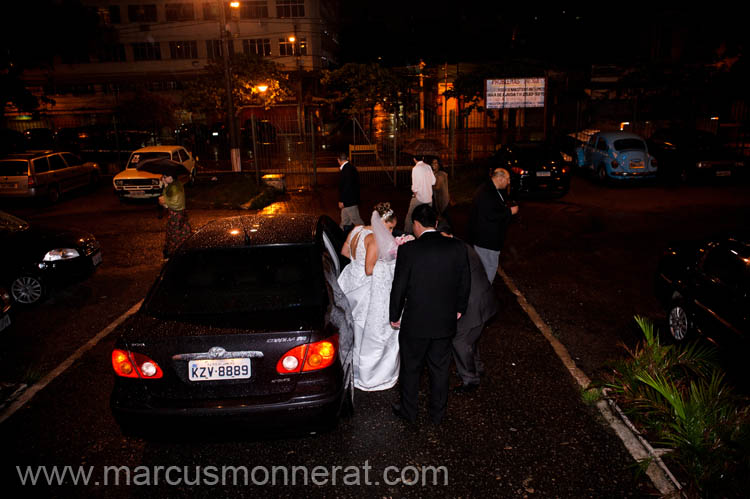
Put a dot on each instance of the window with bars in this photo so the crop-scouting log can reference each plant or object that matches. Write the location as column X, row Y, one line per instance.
column 290, row 8
column 142, row 13
column 183, row 49
column 213, row 48
column 111, row 53
column 297, row 47
column 180, row 12
column 146, row 51
column 254, row 9
column 257, row 46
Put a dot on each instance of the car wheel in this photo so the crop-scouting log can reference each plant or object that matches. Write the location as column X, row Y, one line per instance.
column 54, row 194
column 678, row 322
column 27, row 289
column 601, row 174
column 191, row 182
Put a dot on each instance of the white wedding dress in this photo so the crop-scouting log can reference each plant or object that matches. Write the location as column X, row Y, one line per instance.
column 376, row 360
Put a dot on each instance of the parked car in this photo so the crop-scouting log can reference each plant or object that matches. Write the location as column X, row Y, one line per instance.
column 5, row 306
column 705, row 286
column 45, row 174
column 620, row 156
column 688, row 154
column 535, row 167
column 37, row 258
column 133, row 183
column 246, row 322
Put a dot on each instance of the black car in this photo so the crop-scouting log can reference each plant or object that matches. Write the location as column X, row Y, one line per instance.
column 688, row 154
column 246, row 323
column 535, row 167
column 5, row 306
column 705, row 286
column 37, row 258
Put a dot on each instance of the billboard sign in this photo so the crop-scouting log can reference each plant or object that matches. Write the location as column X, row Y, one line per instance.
column 514, row 93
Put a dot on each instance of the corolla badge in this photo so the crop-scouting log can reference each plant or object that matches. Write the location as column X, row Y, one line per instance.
column 216, row 352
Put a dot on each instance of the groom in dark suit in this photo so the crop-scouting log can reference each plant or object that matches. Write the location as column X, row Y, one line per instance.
column 431, row 287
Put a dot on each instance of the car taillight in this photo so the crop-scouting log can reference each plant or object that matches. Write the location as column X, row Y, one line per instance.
column 32, row 181
column 135, row 365
column 615, row 164
column 310, row 357
column 518, row 170
column 564, row 171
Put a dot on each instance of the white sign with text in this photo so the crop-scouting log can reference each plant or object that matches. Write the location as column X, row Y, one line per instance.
column 514, row 93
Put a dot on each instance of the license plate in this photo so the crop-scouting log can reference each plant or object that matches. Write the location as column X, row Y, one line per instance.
column 723, row 173
column 4, row 322
column 96, row 259
column 8, row 185
column 543, row 174
column 219, row 369
column 137, row 193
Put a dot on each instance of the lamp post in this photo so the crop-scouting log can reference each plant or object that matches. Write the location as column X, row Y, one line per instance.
column 234, row 148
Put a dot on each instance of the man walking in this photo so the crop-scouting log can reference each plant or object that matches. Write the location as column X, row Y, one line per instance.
column 422, row 180
column 348, row 194
column 489, row 219
column 431, row 287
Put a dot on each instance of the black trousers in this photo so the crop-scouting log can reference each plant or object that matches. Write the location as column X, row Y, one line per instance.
column 415, row 352
column 466, row 354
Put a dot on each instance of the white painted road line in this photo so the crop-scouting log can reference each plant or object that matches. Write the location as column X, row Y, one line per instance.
column 39, row 386
column 641, row 451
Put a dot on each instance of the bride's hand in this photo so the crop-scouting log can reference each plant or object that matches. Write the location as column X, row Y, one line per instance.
column 396, row 325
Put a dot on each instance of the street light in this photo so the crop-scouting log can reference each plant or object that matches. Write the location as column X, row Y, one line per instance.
column 234, row 148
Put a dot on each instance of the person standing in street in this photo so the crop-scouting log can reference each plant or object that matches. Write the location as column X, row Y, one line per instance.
column 440, row 194
column 430, row 288
column 348, row 194
column 489, row 219
column 422, row 180
column 178, row 226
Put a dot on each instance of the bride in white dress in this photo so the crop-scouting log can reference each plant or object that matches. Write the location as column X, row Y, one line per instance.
column 366, row 281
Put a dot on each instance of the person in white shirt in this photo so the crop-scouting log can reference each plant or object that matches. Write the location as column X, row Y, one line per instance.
column 422, row 180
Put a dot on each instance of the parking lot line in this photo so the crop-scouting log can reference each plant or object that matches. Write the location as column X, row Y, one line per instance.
column 27, row 395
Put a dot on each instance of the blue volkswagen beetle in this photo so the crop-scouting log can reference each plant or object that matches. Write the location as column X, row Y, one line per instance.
column 616, row 155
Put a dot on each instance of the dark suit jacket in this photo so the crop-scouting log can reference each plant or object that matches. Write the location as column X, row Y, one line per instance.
column 431, row 284
column 482, row 301
column 489, row 218
column 349, row 185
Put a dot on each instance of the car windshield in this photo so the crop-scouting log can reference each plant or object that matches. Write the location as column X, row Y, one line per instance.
column 230, row 281
column 137, row 157
column 630, row 145
column 14, row 168
column 9, row 223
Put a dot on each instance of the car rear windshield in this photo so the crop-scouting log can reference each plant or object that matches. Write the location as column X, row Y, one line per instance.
column 531, row 155
column 13, row 168
column 630, row 145
column 240, row 281
column 141, row 156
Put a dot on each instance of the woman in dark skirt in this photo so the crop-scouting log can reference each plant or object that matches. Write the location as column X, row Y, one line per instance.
column 178, row 226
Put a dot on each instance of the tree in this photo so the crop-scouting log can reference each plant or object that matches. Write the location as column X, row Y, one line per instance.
column 356, row 89
column 207, row 93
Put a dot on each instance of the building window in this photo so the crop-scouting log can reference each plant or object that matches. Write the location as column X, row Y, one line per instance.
column 213, row 48
column 183, row 50
column 114, row 14
column 180, row 12
column 111, row 53
column 146, row 52
column 211, row 11
column 257, row 46
column 142, row 13
column 253, row 9
column 290, row 8
column 297, row 47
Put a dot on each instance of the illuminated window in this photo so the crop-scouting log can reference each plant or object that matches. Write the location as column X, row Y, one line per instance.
column 183, row 50
column 290, row 8
column 180, row 12
column 146, row 51
column 142, row 13
column 297, row 47
column 253, row 9
column 257, row 46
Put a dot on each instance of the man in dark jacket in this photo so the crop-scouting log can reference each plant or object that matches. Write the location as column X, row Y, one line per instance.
column 348, row 194
column 431, row 286
column 489, row 219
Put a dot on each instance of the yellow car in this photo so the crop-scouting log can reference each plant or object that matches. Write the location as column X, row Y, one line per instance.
column 135, row 184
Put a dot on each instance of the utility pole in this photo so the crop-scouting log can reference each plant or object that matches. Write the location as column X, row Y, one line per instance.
column 234, row 148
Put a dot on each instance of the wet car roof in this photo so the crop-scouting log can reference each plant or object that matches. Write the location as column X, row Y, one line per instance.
column 254, row 230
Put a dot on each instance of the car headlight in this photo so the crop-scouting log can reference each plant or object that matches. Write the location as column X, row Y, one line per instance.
column 118, row 183
column 155, row 181
column 61, row 254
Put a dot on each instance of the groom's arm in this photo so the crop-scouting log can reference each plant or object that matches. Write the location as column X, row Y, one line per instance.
column 398, row 287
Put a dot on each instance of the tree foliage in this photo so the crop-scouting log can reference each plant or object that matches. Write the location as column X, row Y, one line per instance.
column 207, row 93
column 357, row 88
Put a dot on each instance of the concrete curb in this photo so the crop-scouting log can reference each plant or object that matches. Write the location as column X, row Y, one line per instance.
column 664, row 481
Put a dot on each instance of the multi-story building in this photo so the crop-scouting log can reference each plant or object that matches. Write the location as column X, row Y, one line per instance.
column 159, row 44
